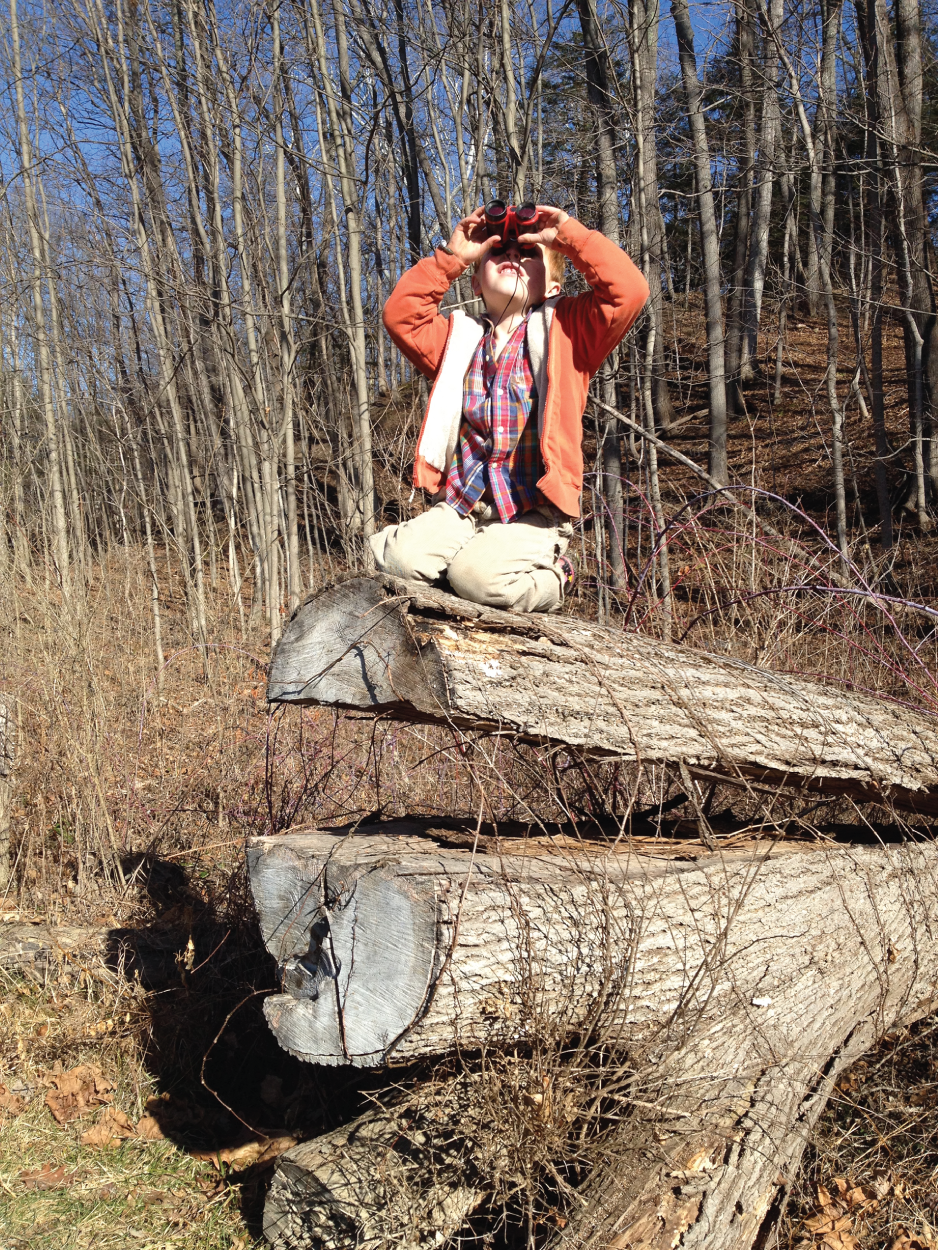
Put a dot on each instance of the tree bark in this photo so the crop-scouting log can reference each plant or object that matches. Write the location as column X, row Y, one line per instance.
column 709, row 239
column 745, row 40
column 7, row 760
column 60, row 544
column 391, row 1177
column 599, row 94
column 822, row 252
column 339, row 105
column 418, row 654
column 288, row 350
column 769, row 135
column 643, row 19
column 893, row 66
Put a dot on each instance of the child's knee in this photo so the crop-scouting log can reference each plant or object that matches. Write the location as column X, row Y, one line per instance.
column 395, row 555
column 466, row 583
column 532, row 590
column 420, row 549
column 474, row 580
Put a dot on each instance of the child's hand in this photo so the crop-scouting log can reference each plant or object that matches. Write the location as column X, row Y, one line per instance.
column 470, row 240
column 550, row 220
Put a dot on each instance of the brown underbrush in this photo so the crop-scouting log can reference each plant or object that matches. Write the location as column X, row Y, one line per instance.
column 870, row 1176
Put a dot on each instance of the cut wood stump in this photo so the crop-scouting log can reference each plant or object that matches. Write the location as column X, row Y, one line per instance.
column 415, row 653
column 394, row 1177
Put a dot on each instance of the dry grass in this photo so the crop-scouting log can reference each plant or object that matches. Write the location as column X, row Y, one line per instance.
column 61, row 1193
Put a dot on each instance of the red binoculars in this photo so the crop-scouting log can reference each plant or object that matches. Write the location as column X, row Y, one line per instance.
column 509, row 221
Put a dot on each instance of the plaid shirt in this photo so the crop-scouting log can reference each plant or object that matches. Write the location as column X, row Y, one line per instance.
column 498, row 448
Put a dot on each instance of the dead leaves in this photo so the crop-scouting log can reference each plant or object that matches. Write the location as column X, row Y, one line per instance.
column 76, row 1092
column 113, row 1128
column 10, row 1104
column 832, row 1227
column 47, row 1177
column 913, row 1241
column 80, row 1092
column 148, row 1128
column 251, row 1154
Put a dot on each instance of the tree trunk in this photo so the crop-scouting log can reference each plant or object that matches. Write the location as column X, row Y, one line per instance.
column 815, row 156
column 709, row 239
column 769, row 135
column 60, row 544
column 339, row 105
column 598, row 88
column 877, row 242
column 897, row 81
column 644, row 32
column 285, row 434
column 7, row 760
column 821, row 177
column 745, row 39
column 404, row 648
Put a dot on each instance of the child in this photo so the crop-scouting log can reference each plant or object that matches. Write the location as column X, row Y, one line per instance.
column 501, row 442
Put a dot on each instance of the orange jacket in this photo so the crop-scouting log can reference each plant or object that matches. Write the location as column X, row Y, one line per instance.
column 568, row 339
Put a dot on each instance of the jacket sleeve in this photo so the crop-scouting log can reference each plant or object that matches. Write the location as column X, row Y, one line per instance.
column 412, row 312
column 598, row 319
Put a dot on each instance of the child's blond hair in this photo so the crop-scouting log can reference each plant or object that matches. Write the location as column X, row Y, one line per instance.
column 556, row 265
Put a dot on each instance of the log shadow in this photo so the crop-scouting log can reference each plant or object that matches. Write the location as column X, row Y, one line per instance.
column 221, row 1079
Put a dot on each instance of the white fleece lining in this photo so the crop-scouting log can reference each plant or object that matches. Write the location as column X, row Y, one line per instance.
column 538, row 337
column 444, row 411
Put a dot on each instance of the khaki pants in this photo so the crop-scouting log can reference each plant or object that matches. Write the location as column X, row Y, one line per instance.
column 511, row 566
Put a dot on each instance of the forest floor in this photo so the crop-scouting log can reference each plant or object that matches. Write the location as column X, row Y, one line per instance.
column 143, row 1099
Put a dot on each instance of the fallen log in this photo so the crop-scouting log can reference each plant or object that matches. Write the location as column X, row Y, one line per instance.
column 43, row 946
column 397, row 1176
column 394, row 947
column 416, row 653
column 738, row 983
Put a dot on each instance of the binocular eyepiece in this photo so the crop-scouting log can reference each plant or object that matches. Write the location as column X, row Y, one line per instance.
column 509, row 221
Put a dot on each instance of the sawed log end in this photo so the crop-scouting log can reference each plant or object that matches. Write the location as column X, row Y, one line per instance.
column 349, row 646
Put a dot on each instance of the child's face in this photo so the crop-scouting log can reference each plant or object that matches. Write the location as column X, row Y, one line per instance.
column 509, row 281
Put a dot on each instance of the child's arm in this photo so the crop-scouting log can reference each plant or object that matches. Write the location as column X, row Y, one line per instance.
column 412, row 312
column 598, row 319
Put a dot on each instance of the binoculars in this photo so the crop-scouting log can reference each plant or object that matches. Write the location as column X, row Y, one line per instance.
column 509, row 221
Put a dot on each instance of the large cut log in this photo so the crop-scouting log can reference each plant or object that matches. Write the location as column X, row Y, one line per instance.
column 416, row 653
column 399, row 1177
column 393, row 946
column 738, row 984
